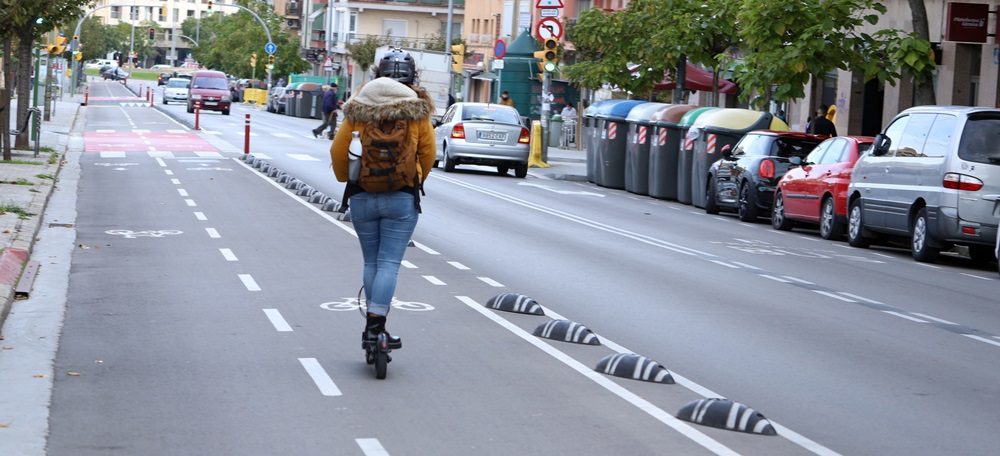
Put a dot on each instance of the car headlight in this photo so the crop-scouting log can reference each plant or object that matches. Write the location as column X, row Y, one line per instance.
column 226, row 99
column 195, row 97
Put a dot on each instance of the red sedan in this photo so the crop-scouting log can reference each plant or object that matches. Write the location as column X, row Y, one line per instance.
column 816, row 191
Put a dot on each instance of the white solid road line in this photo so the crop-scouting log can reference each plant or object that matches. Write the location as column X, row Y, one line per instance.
column 277, row 320
column 320, row 377
column 371, row 447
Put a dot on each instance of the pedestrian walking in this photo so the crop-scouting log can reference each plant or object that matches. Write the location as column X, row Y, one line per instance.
column 331, row 104
column 393, row 119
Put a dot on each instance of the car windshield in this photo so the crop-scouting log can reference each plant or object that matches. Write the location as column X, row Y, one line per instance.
column 981, row 140
column 210, row 83
column 787, row 147
column 491, row 114
column 178, row 83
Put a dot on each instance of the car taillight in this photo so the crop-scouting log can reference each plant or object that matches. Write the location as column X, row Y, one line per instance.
column 525, row 137
column 458, row 131
column 956, row 181
column 767, row 169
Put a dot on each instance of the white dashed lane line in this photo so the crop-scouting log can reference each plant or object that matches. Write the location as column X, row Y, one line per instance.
column 320, row 377
column 408, row 265
column 249, row 282
column 175, row 181
column 169, row 172
column 200, row 216
column 459, row 266
column 228, row 255
column 491, row 282
column 182, row 192
column 213, row 233
column 190, row 202
column 434, row 280
column 371, row 447
column 277, row 320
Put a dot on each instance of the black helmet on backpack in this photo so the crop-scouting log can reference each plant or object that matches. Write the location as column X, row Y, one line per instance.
column 398, row 65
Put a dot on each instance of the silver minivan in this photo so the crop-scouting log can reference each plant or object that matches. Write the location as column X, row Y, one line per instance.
column 926, row 177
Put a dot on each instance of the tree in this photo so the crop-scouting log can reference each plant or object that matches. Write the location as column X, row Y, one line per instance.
column 363, row 50
column 787, row 43
column 924, row 84
column 21, row 24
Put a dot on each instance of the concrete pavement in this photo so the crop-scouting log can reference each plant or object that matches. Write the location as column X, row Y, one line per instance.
column 26, row 183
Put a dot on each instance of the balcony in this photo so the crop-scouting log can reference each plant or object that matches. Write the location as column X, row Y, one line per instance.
column 293, row 9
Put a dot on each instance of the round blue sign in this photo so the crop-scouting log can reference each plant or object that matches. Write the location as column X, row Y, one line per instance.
column 270, row 48
column 500, row 49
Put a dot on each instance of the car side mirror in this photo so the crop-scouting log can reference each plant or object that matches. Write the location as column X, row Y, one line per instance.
column 436, row 123
column 881, row 145
column 727, row 151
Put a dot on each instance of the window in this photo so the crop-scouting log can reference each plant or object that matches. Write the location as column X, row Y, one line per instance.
column 786, row 147
column 979, row 140
column 816, row 156
column 911, row 144
column 116, row 12
column 835, row 154
column 491, row 113
column 133, row 12
column 190, row 13
column 352, row 28
column 751, row 145
column 395, row 29
column 895, row 134
column 177, row 15
column 939, row 136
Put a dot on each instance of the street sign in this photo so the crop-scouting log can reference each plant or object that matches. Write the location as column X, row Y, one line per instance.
column 328, row 65
column 497, row 64
column 549, row 12
column 549, row 4
column 500, row 49
column 549, row 28
column 270, row 48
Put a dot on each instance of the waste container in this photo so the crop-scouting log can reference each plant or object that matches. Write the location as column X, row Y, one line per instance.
column 555, row 130
column 685, row 157
column 292, row 98
column 664, row 149
column 640, row 133
column 609, row 153
column 716, row 130
column 591, row 136
column 310, row 94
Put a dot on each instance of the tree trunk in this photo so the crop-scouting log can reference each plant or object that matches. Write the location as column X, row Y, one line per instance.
column 715, row 86
column 25, row 64
column 924, row 90
column 5, row 101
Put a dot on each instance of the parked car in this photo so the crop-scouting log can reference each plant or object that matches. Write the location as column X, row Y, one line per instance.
column 163, row 78
column 159, row 67
column 482, row 134
column 114, row 73
column 209, row 90
column 176, row 90
column 276, row 102
column 745, row 178
column 97, row 64
column 814, row 190
column 927, row 178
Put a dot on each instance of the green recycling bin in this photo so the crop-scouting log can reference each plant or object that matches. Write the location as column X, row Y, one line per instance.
column 640, row 131
column 685, row 158
column 292, row 98
column 664, row 150
column 716, row 130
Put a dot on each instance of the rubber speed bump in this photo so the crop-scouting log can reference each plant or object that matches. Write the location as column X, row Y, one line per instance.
column 318, row 198
column 726, row 414
column 273, row 172
column 330, row 206
column 567, row 331
column 283, row 178
column 631, row 365
column 306, row 191
column 514, row 302
column 294, row 184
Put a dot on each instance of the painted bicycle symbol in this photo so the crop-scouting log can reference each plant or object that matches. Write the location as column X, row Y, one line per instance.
column 353, row 304
column 129, row 234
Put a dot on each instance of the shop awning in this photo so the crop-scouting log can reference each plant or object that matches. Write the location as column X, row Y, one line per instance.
column 696, row 79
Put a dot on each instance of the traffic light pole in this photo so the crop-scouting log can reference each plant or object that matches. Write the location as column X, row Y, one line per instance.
column 546, row 80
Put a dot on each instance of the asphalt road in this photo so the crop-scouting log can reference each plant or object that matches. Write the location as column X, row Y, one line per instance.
column 210, row 311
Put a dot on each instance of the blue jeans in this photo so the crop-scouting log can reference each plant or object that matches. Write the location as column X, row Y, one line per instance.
column 384, row 223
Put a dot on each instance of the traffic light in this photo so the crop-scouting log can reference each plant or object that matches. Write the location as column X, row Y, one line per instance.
column 253, row 59
column 78, row 56
column 163, row 10
column 210, row 6
column 152, row 33
column 549, row 55
column 270, row 60
column 457, row 57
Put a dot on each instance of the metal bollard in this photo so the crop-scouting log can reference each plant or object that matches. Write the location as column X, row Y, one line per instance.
column 246, row 136
column 86, row 95
column 197, row 113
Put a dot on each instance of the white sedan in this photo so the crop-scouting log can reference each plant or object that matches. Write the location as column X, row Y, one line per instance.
column 176, row 90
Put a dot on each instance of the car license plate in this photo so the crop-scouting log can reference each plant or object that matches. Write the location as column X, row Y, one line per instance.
column 493, row 136
column 210, row 103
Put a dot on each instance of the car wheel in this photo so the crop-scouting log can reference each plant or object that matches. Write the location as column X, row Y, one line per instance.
column 922, row 251
column 711, row 205
column 225, row 112
column 747, row 204
column 829, row 226
column 165, row 101
column 502, row 170
column 521, row 171
column 778, row 219
column 855, row 226
column 190, row 109
column 449, row 163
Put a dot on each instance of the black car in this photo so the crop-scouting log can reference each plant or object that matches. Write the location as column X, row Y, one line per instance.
column 163, row 78
column 745, row 178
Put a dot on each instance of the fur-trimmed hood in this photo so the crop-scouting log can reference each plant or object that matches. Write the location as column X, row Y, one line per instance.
column 384, row 99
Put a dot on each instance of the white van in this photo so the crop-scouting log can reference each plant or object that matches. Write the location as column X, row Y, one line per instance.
column 97, row 64
column 928, row 176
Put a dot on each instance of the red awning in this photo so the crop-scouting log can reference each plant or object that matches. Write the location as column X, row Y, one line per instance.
column 697, row 79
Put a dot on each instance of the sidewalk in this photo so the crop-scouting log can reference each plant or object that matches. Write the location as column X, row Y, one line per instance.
column 26, row 183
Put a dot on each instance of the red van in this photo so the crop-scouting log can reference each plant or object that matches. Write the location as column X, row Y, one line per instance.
column 209, row 90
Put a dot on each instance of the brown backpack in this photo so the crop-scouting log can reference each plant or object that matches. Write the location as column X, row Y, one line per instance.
column 388, row 157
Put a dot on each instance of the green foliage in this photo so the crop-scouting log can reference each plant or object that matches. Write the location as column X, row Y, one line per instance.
column 363, row 50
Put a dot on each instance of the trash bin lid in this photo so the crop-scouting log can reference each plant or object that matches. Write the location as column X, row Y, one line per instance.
column 734, row 119
column 670, row 115
column 310, row 87
column 694, row 114
column 617, row 109
column 294, row 86
column 643, row 114
column 597, row 107
column 779, row 125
